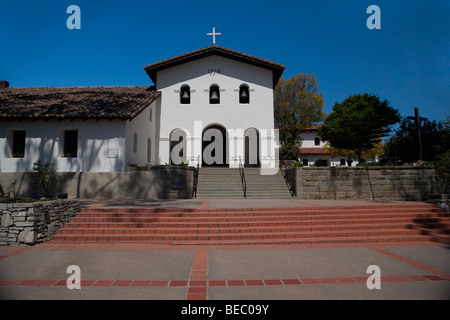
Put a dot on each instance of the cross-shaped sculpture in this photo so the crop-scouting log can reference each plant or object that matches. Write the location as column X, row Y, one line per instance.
column 418, row 120
column 214, row 34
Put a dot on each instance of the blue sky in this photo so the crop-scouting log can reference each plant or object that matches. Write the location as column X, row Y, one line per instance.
column 405, row 62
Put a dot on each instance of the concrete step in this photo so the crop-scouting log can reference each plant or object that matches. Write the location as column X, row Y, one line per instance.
column 278, row 238
column 291, row 219
column 226, row 183
column 318, row 210
column 108, row 228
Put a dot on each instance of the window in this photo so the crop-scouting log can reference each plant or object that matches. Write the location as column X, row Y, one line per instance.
column 70, row 143
column 317, row 141
column 151, row 114
column 305, row 162
column 185, row 94
column 135, row 143
column 18, row 148
column 214, row 94
column 342, row 162
column 244, row 94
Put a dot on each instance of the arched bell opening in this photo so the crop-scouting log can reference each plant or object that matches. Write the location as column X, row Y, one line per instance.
column 214, row 94
column 244, row 94
column 185, row 94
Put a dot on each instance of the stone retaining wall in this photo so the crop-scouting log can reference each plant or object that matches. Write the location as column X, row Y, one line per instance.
column 32, row 223
column 158, row 182
column 366, row 183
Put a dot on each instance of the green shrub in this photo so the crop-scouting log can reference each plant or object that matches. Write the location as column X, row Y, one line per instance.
column 442, row 165
column 44, row 178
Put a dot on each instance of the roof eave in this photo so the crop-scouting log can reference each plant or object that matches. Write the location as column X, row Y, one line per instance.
column 152, row 69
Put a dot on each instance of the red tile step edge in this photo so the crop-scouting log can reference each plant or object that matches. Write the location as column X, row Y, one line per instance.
column 405, row 222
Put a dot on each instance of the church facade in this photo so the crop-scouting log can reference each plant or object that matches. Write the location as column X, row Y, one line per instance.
column 209, row 107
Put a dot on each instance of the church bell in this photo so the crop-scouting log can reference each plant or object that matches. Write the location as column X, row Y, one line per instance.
column 214, row 97
column 185, row 96
column 244, row 95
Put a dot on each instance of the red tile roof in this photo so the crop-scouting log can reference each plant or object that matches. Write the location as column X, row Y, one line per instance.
column 311, row 151
column 276, row 68
column 72, row 103
column 313, row 127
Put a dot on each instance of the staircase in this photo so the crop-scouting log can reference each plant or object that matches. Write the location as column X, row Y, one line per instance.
column 219, row 183
column 226, row 183
column 290, row 225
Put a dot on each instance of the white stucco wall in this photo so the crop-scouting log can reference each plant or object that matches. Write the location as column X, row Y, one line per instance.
column 145, row 129
column 332, row 162
column 308, row 141
column 101, row 145
column 230, row 114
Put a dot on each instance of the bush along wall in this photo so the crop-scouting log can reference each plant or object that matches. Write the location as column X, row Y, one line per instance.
column 25, row 224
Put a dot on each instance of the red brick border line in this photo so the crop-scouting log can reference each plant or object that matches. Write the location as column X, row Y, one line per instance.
column 52, row 245
column 197, row 289
column 12, row 251
column 435, row 272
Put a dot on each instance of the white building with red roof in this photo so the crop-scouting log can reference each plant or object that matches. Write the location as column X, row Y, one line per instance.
column 209, row 107
column 312, row 151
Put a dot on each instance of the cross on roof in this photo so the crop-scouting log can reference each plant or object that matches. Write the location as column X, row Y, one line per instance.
column 214, row 34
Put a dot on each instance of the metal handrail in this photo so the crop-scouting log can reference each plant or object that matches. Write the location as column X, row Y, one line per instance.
column 242, row 174
column 194, row 189
column 291, row 184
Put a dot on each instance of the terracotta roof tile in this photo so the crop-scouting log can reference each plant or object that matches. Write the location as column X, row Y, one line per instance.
column 122, row 103
column 311, row 151
column 313, row 127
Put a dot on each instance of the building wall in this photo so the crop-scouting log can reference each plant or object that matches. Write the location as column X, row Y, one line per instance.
column 144, row 128
column 331, row 161
column 101, row 145
column 308, row 141
column 229, row 75
column 155, row 183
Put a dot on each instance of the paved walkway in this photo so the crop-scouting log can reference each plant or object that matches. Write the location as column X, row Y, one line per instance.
column 250, row 272
column 230, row 203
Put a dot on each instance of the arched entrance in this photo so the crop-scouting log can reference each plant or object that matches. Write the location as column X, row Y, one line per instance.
column 251, row 148
column 214, row 146
column 178, row 147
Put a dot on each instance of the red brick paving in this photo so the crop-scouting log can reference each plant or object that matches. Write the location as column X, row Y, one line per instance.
column 216, row 283
column 198, row 284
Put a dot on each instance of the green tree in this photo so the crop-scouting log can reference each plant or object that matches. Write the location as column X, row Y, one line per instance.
column 404, row 144
column 358, row 123
column 298, row 104
column 45, row 179
column 376, row 151
column 442, row 165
